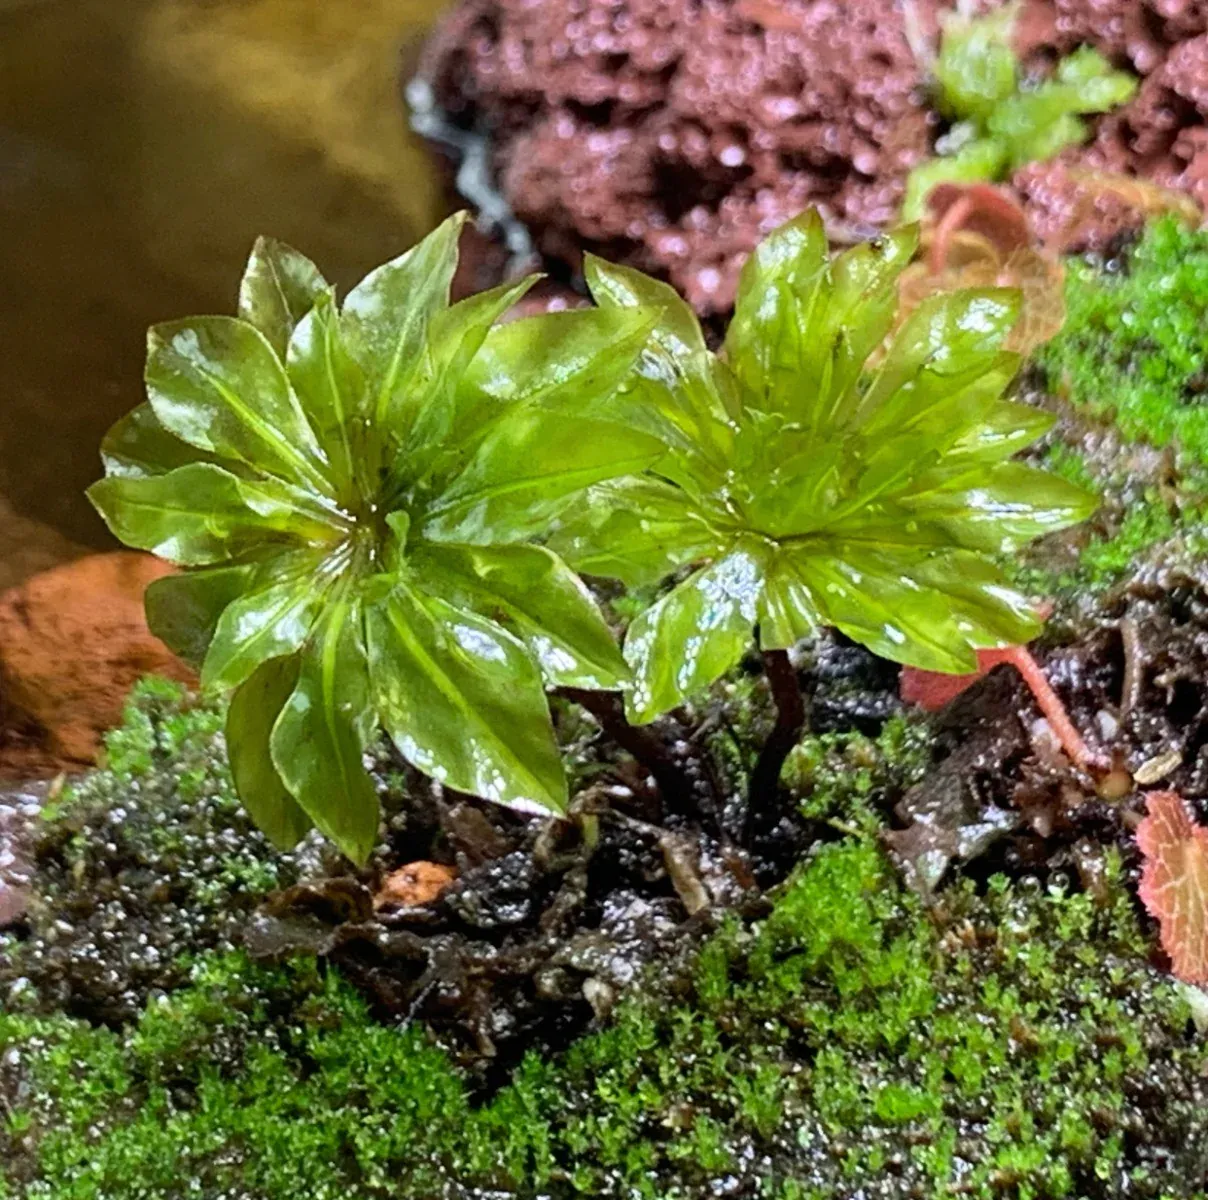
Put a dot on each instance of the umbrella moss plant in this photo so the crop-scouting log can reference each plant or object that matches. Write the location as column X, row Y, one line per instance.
column 353, row 492
column 373, row 507
column 1001, row 118
column 819, row 477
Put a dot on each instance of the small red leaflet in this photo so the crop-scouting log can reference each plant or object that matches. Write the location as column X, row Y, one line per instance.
column 932, row 691
column 1174, row 882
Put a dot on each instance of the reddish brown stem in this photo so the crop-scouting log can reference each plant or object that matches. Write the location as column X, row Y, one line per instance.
column 1054, row 711
column 642, row 742
column 790, row 721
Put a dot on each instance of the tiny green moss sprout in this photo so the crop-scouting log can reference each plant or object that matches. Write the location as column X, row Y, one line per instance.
column 1001, row 120
column 354, row 492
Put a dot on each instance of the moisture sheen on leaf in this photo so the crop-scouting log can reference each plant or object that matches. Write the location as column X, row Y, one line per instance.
column 1174, row 882
column 463, row 701
column 865, row 486
column 353, row 490
column 253, row 712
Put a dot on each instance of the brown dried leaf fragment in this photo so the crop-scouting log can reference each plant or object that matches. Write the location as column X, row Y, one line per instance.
column 978, row 236
column 1174, row 882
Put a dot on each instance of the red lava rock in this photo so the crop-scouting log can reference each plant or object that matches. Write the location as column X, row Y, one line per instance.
column 673, row 134
column 416, row 884
column 73, row 641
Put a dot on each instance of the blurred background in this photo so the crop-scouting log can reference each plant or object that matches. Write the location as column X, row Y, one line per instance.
column 143, row 146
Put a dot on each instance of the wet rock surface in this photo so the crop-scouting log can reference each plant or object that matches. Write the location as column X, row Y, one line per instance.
column 673, row 134
column 18, row 808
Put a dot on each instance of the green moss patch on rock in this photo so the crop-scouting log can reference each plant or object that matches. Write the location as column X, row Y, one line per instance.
column 1135, row 340
column 136, row 864
column 1010, row 1044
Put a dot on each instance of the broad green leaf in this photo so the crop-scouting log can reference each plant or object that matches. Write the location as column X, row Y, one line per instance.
column 464, row 702
column 253, row 711
column 696, row 633
column 977, row 68
column 216, row 383
column 787, row 611
column 387, row 316
column 199, row 514
column 139, row 445
column 331, row 390
column 270, row 622
column 799, row 342
column 1004, row 429
column 941, row 347
column 528, row 469
column 638, row 530
column 279, row 287
column 566, row 362
column 319, row 739
column 456, row 335
column 989, row 613
column 532, row 593
column 183, row 610
column 780, row 285
column 681, row 385
column 1000, row 510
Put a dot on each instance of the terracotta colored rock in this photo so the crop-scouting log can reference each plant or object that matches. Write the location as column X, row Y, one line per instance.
column 672, row 134
column 73, row 641
column 415, row 884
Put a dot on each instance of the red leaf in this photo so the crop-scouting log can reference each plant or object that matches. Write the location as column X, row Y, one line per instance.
column 1174, row 882
column 932, row 690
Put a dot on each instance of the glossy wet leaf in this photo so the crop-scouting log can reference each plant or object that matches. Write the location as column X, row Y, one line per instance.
column 637, row 530
column 528, row 468
column 463, row 701
column 217, row 384
column 866, row 487
column 271, row 622
column 322, row 468
column 253, row 712
column 387, row 315
column 537, row 597
column 196, row 515
column 321, row 735
column 695, row 633
column 183, row 610
column 279, row 287
column 330, row 388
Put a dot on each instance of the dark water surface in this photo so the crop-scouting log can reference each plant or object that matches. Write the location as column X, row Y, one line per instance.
column 143, row 146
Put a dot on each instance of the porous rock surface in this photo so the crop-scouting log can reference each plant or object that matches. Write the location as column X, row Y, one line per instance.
column 672, row 134
column 73, row 641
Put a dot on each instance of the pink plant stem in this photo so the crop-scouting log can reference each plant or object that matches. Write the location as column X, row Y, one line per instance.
column 1054, row 711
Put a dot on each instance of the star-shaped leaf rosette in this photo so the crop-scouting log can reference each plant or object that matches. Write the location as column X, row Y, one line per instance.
column 818, row 477
column 353, row 493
